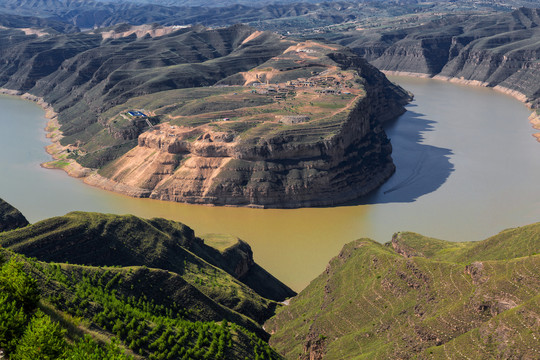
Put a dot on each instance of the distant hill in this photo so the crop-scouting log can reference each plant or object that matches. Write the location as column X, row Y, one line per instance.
column 280, row 15
column 495, row 50
column 419, row 297
column 10, row 218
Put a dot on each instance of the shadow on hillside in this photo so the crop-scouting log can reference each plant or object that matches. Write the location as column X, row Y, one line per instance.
column 420, row 168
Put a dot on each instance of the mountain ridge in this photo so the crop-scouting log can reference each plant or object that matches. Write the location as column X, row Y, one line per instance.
column 418, row 297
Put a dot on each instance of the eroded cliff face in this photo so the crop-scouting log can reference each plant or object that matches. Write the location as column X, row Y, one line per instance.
column 292, row 168
column 500, row 50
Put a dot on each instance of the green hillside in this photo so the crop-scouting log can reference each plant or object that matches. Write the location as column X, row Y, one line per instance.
column 112, row 240
column 60, row 311
column 98, row 286
column 476, row 300
column 508, row 244
column 26, row 332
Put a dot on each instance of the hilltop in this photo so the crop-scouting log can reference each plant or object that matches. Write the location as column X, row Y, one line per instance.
column 150, row 283
column 227, row 116
column 301, row 129
column 419, row 297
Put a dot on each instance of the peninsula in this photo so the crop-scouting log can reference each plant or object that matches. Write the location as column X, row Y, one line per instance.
column 236, row 117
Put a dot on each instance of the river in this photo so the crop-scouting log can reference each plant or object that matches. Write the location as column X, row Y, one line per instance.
column 467, row 168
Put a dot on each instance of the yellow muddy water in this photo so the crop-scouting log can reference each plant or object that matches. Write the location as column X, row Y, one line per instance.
column 467, row 168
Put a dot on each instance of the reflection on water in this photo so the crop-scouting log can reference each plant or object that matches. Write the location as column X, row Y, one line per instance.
column 422, row 168
column 467, row 168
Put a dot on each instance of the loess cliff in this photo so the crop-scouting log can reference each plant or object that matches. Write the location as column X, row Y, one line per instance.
column 336, row 152
column 499, row 50
column 229, row 116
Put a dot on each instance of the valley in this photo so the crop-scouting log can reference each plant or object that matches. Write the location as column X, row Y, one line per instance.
column 435, row 164
column 499, row 51
column 304, row 144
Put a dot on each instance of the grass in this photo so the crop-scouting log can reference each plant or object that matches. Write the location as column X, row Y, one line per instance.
column 104, row 240
column 328, row 105
column 450, row 298
column 220, row 242
column 59, row 164
column 146, row 310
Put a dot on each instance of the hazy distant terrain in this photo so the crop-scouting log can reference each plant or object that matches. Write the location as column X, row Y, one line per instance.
column 498, row 50
column 280, row 16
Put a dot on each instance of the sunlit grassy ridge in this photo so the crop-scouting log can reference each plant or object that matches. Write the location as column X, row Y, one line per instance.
column 112, row 240
column 474, row 300
column 149, row 286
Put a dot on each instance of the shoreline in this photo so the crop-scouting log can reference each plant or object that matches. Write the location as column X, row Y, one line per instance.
column 534, row 118
column 58, row 152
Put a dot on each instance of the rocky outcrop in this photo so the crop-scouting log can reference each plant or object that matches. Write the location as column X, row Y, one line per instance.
column 10, row 218
column 498, row 51
column 402, row 249
column 292, row 168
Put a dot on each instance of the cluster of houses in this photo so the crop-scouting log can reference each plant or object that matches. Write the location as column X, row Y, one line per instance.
column 319, row 84
column 279, row 92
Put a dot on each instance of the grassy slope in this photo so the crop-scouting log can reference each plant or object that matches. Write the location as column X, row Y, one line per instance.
column 510, row 243
column 467, row 299
column 155, row 313
column 107, row 240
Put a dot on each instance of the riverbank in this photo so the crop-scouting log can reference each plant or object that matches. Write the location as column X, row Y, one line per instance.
column 59, row 152
column 534, row 118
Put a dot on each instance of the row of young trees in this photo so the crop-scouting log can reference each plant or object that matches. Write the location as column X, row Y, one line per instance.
column 155, row 331
column 26, row 333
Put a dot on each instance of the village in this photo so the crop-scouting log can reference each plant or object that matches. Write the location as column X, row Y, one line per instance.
column 294, row 88
column 321, row 84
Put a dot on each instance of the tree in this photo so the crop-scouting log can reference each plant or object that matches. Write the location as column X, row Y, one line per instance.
column 12, row 322
column 20, row 286
column 43, row 339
